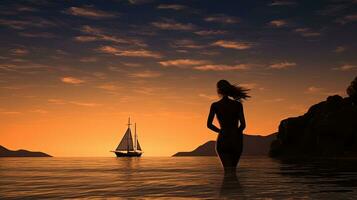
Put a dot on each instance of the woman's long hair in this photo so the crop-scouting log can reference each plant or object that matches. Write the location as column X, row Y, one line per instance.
column 224, row 88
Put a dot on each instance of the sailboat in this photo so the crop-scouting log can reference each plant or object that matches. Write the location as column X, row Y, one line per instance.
column 129, row 147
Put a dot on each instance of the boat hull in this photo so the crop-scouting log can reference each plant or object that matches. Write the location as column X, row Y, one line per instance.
column 127, row 154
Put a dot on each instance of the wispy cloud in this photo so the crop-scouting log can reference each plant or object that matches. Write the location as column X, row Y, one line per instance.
column 307, row 32
column 249, row 86
column 77, row 103
column 129, row 53
column 207, row 96
column 314, row 90
column 282, row 65
column 138, row 2
column 30, row 22
column 86, row 38
column 278, row 23
column 187, row 44
column 233, row 44
column 145, row 74
column 45, row 35
column 40, row 111
column 224, row 19
column 85, row 104
column 19, row 51
column 347, row 19
column 282, row 3
column 10, row 112
column 173, row 25
column 96, row 34
column 72, row 80
column 90, row 12
column 340, row 49
column 210, row 32
column 56, row 101
column 276, row 100
column 222, row 67
column 346, row 67
column 88, row 59
column 183, row 63
column 108, row 87
column 171, row 6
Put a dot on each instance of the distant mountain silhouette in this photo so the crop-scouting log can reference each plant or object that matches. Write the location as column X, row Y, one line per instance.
column 4, row 152
column 328, row 129
column 253, row 145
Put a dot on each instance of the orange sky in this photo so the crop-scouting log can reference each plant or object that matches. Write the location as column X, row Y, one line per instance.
column 71, row 74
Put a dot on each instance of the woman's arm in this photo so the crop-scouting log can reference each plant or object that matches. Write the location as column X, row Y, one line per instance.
column 210, row 124
column 241, row 118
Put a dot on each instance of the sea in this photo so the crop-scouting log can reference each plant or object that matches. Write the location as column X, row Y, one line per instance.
column 174, row 178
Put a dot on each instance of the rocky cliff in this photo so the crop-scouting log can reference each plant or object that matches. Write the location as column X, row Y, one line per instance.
column 328, row 129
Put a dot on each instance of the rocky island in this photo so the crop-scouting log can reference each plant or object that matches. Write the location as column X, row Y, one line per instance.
column 254, row 145
column 4, row 152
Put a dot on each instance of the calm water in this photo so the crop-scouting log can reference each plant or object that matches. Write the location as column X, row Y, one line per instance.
column 154, row 177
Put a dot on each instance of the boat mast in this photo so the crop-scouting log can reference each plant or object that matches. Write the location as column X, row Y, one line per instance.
column 135, row 139
column 128, row 137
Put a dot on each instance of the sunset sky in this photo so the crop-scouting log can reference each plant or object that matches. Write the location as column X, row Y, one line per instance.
column 72, row 72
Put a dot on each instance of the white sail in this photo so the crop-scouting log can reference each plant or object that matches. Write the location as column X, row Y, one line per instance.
column 138, row 147
column 126, row 144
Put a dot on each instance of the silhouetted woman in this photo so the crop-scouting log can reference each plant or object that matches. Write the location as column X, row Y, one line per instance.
column 229, row 112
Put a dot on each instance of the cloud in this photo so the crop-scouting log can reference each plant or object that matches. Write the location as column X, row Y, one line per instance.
column 274, row 100
column 108, row 87
column 282, row 65
column 340, row 49
column 129, row 53
column 233, row 44
column 282, row 3
column 210, row 32
column 306, row 32
column 249, row 86
column 85, row 104
column 278, row 23
column 25, row 67
column 189, row 44
column 347, row 19
column 173, row 25
column 37, row 35
column 346, row 67
column 222, row 67
column 90, row 12
column 182, row 63
column 10, row 112
column 145, row 74
column 96, row 34
column 72, row 80
column 224, row 19
column 314, row 90
column 138, row 2
column 30, row 22
column 19, row 51
column 171, row 6
column 56, row 101
column 77, row 103
column 88, row 59
column 40, row 111
column 209, row 97
column 86, row 38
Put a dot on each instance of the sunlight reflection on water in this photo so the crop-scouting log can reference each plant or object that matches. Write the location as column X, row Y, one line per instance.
column 180, row 177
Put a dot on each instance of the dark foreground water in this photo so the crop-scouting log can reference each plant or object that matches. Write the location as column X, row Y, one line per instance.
column 172, row 178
